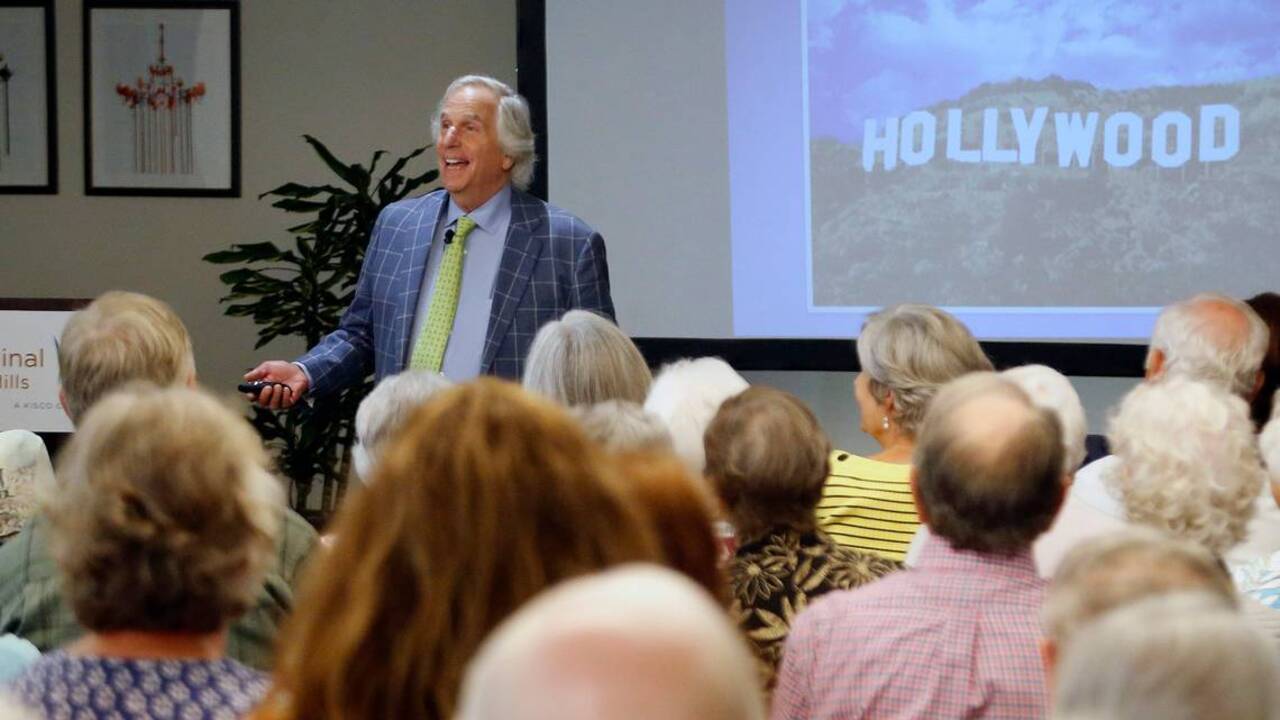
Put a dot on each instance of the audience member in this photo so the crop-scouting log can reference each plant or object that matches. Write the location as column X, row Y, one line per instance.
column 122, row 337
column 955, row 636
column 1267, row 306
column 767, row 458
column 24, row 469
column 1186, row 656
column 629, row 644
column 1120, row 568
column 906, row 353
column 386, row 408
column 582, row 359
column 1051, row 390
column 681, row 511
column 1262, row 581
column 486, row 497
column 1210, row 338
column 622, row 426
column 162, row 526
column 686, row 395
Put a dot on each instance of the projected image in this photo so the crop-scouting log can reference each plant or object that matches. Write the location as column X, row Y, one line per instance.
column 1041, row 153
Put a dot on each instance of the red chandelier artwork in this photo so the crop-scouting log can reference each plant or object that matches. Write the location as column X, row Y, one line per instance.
column 5, row 74
column 161, row 106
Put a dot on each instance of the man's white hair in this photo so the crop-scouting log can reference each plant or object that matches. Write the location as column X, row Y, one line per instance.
column 1184, row 656
column 633, row 642
column 686, row 394
column 515, row 129
column 1197, row 344
column 1188, row 461
column 386, row 408
column 1051, row 390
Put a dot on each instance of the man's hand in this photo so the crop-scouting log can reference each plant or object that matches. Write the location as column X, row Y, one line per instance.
column 276, row 396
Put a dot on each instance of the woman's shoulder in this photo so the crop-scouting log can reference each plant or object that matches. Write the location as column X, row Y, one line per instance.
column 847, row 464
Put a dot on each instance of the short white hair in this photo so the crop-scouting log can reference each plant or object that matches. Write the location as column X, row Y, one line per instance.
column 686, row 394
column 515, row 129
column 584, row 358
column 1183, row 656
column 24, row 470
column 1051, row 390
column 1188, row 461
column 386, row 408
column 635, row 641
column 1197, row 344
column 620, row 426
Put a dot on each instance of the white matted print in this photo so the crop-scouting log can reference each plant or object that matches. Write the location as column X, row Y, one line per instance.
column 161, row 88
column 26, row 130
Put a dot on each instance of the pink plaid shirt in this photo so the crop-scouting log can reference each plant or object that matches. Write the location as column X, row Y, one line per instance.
column 955, row 637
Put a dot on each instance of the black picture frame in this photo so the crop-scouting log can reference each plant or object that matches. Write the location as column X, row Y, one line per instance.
column 50, row 105
column 166, row 171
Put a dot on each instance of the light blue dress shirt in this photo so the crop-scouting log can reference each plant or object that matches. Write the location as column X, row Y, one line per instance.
column 479, row 271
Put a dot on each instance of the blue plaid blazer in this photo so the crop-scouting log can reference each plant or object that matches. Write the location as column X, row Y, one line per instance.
column 552, row 263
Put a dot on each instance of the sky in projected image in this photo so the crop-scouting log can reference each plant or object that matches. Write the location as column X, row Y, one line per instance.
column 885, row 58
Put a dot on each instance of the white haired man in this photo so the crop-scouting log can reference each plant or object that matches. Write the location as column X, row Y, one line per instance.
column 459, row 280
column 634, row 642
column 1210, row 338
column 955, row 636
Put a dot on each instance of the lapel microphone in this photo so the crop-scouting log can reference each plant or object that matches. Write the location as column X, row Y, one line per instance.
column 448, row 236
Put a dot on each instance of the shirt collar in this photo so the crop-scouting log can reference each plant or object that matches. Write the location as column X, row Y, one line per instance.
column 489, row 215
column 938, row 554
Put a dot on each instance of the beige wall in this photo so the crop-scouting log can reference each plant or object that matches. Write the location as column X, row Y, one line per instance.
column 359, row 76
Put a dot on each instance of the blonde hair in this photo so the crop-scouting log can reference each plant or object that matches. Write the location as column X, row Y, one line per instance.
column 1188, row 461
column 486, row 496
column 582, row 359
column 165, row 516
column 910, row 351
column 1106, row 572
column 119, row 337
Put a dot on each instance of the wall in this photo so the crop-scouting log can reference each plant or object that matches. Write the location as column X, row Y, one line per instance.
column 358, row 76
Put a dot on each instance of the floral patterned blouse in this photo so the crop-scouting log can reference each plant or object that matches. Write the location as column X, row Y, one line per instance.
column 772, row 580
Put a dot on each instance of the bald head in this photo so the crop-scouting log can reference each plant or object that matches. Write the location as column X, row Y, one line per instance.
column 988, row 465
column 1212, row 338
column 629, row 644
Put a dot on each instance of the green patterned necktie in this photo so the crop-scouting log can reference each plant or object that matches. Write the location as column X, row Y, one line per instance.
column 428, row 352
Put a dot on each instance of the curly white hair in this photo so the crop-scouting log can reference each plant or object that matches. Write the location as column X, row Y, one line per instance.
column 1189, row 462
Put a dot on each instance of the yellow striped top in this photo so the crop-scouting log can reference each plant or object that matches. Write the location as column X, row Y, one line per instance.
column 866, row 505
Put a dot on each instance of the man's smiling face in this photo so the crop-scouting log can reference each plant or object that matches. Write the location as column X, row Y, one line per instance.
column 473, row 167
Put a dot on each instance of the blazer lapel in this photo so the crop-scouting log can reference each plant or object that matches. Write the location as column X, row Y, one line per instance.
column 524, row 244
column 421, row 230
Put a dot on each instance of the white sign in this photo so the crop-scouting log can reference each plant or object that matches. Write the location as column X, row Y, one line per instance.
column 29, row 370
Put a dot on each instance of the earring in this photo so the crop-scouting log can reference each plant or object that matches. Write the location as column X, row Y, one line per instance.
column 885, row 423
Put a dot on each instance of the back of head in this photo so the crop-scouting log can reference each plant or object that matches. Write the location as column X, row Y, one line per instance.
column 487, row 496
column 582, row 359
column 1188, row 461
column 121, row 337
column 631, row 644
column 1212, row 338
column 1267, row 306
column 911, row 351
column 768, row 459
column 24, row 470
column 386, row 409
column 1185, row 656
column 164, row 516
column 988, row 465
column 622, row 426
column 1051, row 390
column 686, row 395
column 681, row 511
column 1106, row 572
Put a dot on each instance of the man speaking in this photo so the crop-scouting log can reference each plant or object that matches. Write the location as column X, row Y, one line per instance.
column 458, row 280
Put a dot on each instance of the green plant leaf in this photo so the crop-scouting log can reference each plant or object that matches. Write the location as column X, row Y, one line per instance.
column 346, row 172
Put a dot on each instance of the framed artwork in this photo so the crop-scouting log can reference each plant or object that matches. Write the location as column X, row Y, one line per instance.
column 162, row 98
column 28, row 127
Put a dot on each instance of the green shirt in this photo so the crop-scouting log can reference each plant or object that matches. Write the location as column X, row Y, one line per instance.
column 32, row 607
